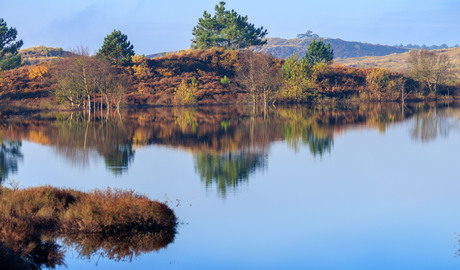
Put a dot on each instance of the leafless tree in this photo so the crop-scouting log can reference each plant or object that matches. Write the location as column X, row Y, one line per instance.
column 80, row 78
column 429, row 68
column 260, row 75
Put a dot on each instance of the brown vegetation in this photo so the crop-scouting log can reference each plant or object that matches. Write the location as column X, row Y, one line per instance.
column 399, row 62
column 221, row 77
column 40, row 54
column 31, row 218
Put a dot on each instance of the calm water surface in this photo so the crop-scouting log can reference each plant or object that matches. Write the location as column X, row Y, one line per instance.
column 355, row 187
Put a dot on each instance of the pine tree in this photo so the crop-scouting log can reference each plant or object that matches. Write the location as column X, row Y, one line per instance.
column 9, row 56
column 319, row 52
column 226, row 29
column 117, row 49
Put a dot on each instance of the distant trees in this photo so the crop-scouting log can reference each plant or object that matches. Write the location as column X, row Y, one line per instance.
column 319, row 52
column 429, row 68
column 425, row 47
column 308, row 34
column 226, row 29
column 9, row 56
column 117, row 49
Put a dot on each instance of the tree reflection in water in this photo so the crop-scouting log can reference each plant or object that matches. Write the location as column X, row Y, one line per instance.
column 228, row 169
column 229, row 143
column 79, row 140
column 24, row 247
column 435, row 122
column 118, row 158
column 10, row 155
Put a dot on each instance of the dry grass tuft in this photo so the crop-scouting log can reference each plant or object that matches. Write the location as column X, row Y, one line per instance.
column 121, row 224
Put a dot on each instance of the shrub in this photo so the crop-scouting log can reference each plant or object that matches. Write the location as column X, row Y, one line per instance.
column 38, row 72
column 378, row 82
column 225, row 80
column 140, row 68
column 185, row 94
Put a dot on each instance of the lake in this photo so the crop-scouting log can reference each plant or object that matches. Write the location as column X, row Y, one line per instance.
column 363, row 186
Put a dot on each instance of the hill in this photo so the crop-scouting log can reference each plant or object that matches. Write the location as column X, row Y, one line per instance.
column 35, row 55
column 284, row 48
column 398, row 62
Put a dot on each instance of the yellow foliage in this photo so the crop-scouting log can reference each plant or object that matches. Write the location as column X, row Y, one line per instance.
column 140, row 138
column 140, row 68
column 378, row 81
column 185, row 94
column 139, row 59
column 38, row 72
column 1, row 78
column 39, row 137
column 165, row 72
column 186, row 118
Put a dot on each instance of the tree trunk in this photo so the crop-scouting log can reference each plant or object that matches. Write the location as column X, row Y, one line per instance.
column 108, row 103
column 89, row 107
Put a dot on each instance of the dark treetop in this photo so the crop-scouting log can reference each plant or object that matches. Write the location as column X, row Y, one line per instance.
column 226, row 29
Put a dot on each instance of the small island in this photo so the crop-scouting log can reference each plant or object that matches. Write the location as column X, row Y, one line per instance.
column 120, row 224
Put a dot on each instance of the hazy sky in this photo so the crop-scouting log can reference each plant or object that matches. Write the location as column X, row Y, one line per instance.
column 158, row 26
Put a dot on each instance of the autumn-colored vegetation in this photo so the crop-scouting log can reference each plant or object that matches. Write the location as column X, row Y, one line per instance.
column 399, row 62
column 30, row 220
column 221, row 77
column 40, row 54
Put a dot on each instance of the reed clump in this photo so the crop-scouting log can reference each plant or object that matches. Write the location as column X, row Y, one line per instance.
column 119, row 224
column 66, row 210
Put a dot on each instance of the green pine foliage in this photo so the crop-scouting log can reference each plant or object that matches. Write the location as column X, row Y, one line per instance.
column 225, row 80
column 319, row 52
column 117, row 49
column 9, row 57
column 226, row 29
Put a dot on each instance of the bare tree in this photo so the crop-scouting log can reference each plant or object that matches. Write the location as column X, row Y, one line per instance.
column 429, row 68
column 82, row 77
column 260, row 75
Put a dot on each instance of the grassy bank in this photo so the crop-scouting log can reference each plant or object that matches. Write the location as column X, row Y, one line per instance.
column 121, row 224
column 215, row 76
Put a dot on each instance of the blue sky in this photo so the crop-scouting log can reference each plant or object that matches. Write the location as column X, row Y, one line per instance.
column 157, row 26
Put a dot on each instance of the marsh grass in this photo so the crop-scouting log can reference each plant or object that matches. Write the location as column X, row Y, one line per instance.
column 115, row 223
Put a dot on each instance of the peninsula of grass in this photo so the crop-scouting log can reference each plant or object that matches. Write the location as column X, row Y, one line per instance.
column 66, row 210
column 118, row 224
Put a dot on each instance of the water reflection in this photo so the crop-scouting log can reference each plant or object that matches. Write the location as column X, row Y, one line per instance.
column 228, row 169
column 77, row 139
column 228, row 143
column 300, row 130
column 435, row 122
column 117, row 225
column 21, row 247
column 24, row 247
column 10, row 155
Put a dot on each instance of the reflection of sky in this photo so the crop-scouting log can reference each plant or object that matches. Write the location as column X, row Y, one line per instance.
column 377, row 201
